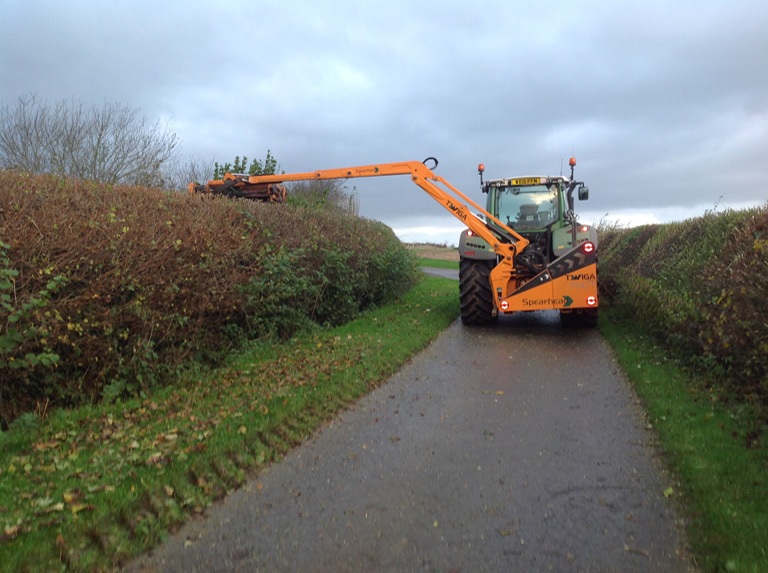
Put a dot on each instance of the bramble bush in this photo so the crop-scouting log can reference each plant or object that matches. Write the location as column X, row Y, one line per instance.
column 24, row 340
column 700, row 285
column 111, row 290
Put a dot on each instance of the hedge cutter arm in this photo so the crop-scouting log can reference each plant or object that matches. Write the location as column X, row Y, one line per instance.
column 504, row 240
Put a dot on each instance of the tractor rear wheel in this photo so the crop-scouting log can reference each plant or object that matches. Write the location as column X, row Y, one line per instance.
column 475, row 293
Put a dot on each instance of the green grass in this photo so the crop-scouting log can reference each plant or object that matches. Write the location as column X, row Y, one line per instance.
column 723, row 485
column 90, row 488
column 438, row 263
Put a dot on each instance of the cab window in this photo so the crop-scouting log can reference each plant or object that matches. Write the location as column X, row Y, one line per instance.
column 528, row 207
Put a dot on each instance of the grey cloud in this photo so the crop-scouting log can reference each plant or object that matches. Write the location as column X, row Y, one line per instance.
column 661, row 101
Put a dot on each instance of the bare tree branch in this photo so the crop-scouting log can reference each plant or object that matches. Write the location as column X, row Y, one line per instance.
column 177, row 175
column 113, row 143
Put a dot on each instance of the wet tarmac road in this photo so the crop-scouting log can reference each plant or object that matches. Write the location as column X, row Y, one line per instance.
column 444, row 273
column 513, row 448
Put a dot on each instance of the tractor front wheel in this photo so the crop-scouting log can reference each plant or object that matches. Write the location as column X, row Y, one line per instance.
column 475, row 293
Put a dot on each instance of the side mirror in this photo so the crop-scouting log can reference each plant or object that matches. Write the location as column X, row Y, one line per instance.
column 583, row 193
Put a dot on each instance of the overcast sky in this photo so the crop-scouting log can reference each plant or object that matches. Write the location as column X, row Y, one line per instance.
column 663, row 102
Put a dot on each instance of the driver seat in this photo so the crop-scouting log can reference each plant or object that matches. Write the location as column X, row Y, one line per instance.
column 528, row 214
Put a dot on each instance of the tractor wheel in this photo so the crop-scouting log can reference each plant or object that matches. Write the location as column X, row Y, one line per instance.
column 475, row 293
column 584, row 319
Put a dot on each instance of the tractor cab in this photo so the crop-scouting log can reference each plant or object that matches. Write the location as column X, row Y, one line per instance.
column 538, row 208
column 526, row 204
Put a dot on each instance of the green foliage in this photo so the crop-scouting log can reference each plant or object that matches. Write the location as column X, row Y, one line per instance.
column 157, row 281
column 278, row 295
column 25, row 327
column 266, row 167
column 326, row 282
column 18, row 319
column 26, row 423
column 700, row 285
column 89, row 488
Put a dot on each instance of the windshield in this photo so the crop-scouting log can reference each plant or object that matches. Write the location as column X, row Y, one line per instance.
column 528, row 207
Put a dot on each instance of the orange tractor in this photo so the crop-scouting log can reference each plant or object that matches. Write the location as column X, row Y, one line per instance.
column 525, row 251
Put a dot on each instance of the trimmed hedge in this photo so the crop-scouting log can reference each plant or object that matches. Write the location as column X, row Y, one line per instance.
column 702, row 286
column 109, row 290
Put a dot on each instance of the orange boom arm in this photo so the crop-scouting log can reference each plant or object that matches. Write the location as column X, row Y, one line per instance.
column 549, row 289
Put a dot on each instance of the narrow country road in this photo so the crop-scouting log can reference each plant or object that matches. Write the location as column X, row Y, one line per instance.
column 513, row 448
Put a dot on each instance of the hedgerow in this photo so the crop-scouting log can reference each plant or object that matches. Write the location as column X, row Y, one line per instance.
column 111, row 290
column 701, row 286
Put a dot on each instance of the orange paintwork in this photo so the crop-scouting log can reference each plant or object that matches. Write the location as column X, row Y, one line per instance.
column 241, row 186
column 551, row 289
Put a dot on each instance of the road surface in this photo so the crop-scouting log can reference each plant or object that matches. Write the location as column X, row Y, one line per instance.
column 444, row 273
column 513, row 448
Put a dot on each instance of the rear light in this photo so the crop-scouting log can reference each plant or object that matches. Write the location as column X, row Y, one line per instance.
column 588, row 247
column 470, row 233
column 585, row 229
column 591, row 300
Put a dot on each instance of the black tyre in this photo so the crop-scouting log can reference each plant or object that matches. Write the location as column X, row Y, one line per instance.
column 475, row 293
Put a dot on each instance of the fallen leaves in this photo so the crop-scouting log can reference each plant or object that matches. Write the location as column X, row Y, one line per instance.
column 78, row 507
column 11, row 531
column 49, row 509
column 131, row 451
column 46, row 502
column 637, row 551
column 157, row 459
column 73, row 495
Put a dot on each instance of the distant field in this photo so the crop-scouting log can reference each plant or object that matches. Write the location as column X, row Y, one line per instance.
column 433, row 251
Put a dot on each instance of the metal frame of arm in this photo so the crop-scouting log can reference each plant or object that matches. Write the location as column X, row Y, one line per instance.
column 569, row 283
column 506, row 247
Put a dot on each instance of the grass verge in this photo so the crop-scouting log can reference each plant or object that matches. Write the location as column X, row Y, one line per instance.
column 721, row 483
column 437, row 263
column 89, row 489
